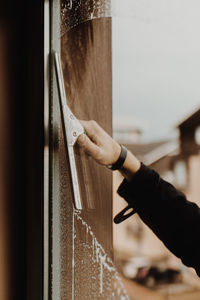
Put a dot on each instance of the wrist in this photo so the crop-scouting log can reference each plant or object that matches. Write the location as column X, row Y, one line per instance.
column 130, row 167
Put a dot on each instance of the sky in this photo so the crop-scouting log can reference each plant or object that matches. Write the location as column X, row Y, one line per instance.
column 156, row 63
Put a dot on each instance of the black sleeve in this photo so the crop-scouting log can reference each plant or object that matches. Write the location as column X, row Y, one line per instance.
column 174, row 219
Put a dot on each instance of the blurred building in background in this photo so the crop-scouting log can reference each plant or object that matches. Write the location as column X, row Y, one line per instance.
column 127, row 131
column 177, row 161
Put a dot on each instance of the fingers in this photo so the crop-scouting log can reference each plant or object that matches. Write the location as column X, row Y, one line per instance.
column 92, row 129
column 84, row 142
column 98, row 144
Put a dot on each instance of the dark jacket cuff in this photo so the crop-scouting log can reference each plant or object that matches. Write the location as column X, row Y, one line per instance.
column 143, row 184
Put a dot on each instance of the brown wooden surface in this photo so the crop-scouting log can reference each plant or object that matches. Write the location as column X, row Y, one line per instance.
column 86, row 61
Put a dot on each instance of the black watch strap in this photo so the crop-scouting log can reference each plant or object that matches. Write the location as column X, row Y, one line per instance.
column 119, row 163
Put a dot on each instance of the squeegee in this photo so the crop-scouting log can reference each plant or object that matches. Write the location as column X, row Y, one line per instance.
column 72, row 130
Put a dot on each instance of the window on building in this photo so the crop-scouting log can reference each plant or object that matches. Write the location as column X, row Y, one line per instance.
column 180, row 172
column 197, row 135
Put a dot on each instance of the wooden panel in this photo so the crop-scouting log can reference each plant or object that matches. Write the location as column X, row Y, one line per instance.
column 86, row 55
column 86, row 60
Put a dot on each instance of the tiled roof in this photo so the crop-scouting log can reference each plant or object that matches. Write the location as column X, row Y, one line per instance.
column 193, row 119
column 151, row 152
column 143, row 149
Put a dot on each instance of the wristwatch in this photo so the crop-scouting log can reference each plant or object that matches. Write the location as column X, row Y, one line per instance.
column 119, row 163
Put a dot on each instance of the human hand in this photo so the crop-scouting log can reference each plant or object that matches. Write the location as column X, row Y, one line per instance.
column 98, row 143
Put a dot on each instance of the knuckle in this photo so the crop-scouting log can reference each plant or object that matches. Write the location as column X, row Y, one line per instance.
column 93, row 123
column 82, row 140
column 93, row 136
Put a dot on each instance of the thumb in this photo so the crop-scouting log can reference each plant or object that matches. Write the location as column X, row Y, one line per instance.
column 84, row 142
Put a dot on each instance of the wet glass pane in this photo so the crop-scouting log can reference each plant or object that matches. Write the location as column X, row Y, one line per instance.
column 82, row 265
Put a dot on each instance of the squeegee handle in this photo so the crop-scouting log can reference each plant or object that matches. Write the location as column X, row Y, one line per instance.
column 77, row 198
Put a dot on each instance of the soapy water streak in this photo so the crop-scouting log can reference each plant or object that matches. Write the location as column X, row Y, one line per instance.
column 104, row 262
column 75, row 12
